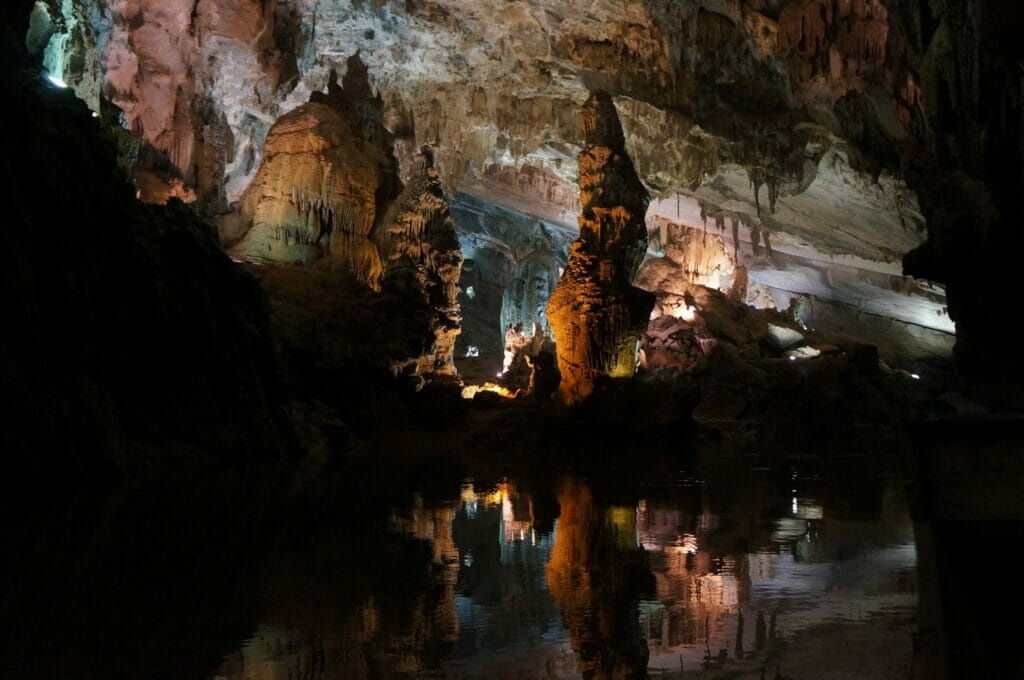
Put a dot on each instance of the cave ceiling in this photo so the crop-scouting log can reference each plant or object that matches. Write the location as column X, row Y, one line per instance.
column 782, row 116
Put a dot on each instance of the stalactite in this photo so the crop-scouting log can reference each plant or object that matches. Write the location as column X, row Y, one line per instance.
column 756, row 180
column 853, row 31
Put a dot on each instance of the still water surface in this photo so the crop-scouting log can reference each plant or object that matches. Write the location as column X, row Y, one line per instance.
column 797, row 570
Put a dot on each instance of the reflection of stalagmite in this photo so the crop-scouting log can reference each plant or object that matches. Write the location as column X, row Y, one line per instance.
column 595, row 312
column 360, row 604
column 590, row 574
column 435, row 525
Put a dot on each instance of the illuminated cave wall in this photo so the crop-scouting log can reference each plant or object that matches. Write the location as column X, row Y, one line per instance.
column 833, row 128
column 512, row 262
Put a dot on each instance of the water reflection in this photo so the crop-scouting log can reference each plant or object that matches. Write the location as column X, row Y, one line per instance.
column 746, row 573
column 596, row 573
column 793, row 602
column 509, row 620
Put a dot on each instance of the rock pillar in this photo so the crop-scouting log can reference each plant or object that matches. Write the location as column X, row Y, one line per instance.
column 595, row 312
column 421, row 254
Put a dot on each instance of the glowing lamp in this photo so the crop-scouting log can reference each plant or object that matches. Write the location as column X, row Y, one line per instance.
column 54, row 80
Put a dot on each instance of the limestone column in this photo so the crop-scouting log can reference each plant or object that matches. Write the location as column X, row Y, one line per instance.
column 597, row 315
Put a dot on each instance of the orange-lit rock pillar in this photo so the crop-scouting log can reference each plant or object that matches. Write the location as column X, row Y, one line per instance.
column 595, row 312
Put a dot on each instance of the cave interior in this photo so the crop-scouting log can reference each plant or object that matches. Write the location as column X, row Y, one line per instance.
column 512, row 338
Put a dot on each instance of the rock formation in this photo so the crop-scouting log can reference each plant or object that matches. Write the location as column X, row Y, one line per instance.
column 329, row 190
column 811, row 119
column 421, row 257
column 332, row 329
column 595, row 312
column 533, row 280
column 513, row 261
column 328, row 175
column 967, row 164
column 133, row 343
column 671, row 343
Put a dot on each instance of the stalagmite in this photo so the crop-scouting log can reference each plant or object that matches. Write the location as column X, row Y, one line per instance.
column 328, row 172
column 421, row 252
column 595, row 312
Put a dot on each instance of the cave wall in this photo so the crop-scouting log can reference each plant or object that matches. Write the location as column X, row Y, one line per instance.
column 835, row 127
column 513, row 262
column 133, row 343
column 905, row 317
column 198, row 82
column 967, row 164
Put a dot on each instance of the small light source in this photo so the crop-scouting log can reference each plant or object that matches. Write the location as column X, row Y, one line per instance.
column 470, row 292
column 803, row 353
column 501, row 373
column 95, row 115
column 915, row 376
column 56, row 81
